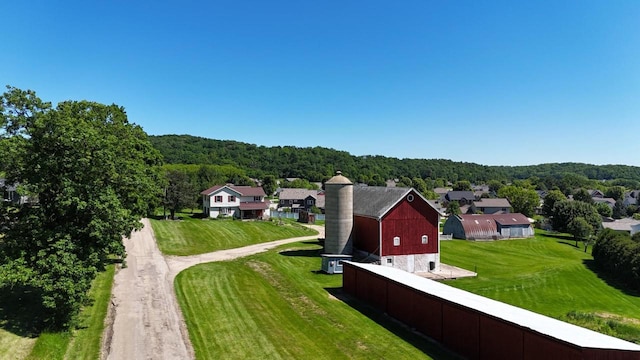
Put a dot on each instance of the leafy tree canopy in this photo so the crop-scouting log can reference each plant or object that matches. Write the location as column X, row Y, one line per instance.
column 318, row 163
column 94, row 175
column 522, row 200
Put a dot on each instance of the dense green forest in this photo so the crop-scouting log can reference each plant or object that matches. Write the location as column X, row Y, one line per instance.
column 319, row 163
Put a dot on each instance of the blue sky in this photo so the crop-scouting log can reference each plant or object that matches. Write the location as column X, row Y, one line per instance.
column 490, row 82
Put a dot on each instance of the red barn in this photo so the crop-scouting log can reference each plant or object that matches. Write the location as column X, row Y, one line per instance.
column 397, row 226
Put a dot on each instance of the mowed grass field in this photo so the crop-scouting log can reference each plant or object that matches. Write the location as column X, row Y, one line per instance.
column 544, row 274
column 192, row 236
column 277, row 305
column 20, row 338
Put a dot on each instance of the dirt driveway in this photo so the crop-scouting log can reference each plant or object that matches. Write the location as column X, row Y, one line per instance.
column 145, row 319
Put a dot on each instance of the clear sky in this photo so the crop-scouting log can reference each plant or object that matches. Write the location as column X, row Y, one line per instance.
column 490, row 82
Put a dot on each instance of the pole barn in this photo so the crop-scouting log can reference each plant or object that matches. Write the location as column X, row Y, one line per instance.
column 474, row 326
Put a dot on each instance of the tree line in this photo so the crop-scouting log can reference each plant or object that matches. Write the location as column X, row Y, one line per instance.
column 318, row 163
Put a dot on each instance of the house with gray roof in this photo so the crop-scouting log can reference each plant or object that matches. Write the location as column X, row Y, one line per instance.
column 300, row 199
column 462, row 197
column 491, row 206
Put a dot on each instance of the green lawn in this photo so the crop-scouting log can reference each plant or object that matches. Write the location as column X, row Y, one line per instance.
column 192, row 236
column 544, row 274
column 20, row 339
column 277, row 306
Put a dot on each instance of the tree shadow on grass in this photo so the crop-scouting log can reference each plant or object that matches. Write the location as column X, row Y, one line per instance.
column 302, row 252
column 21, row 311
column 421, row 342
column 610, row 279
column 562, row 239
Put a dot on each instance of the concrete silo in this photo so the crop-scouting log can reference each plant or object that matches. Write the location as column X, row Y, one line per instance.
column 338, row 215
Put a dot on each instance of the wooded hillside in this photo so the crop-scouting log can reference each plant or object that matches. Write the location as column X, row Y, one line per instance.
column 318, row 163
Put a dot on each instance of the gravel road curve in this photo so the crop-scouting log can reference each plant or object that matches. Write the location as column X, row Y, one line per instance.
column 145, row 321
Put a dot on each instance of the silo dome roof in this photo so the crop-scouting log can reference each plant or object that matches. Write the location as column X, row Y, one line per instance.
column 338, row 179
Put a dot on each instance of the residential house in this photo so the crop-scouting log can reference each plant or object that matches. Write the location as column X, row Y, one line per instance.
column 596, row 193
column 462, row 197
column 629, row 225
column 480, row 191
column 491, row 206
column 631, row 198
column 611, row 202
column 492, row 226
column 396, row 226
column 243, row 202
column 300, row 199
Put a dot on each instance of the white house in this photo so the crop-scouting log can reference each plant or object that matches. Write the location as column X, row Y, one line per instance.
column 243, row 202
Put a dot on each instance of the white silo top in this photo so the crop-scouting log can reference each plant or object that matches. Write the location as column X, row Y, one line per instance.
column 339, row 179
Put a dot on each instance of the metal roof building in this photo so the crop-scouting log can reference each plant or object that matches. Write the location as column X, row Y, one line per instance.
column 474, row 326
column 492, row 226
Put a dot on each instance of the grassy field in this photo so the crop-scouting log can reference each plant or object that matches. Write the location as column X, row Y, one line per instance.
column 545, row 274
column 20, row 338
column 192, row 236
column 278, row 306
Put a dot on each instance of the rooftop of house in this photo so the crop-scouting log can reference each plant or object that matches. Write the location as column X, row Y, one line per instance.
column 296, row 194
column 493, row 203
column 242, row 190
column 626, row 224
column 459, row 195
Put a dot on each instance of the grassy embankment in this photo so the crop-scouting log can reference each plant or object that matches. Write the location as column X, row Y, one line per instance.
column 191, row 236
column 547, row 275
column 20, row 337
column 276, row 305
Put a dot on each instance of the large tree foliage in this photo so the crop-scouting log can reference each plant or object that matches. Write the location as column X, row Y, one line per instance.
column 550, row 200
column 583, row 195
column 179, row 192
column 522, row 200
column 580, row 229
column 619, row 254
column 94, row 175
column 565, row 211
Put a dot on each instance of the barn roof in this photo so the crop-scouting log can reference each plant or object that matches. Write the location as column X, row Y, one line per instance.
column 484, row 225
column 376, row 201
column 527, row 319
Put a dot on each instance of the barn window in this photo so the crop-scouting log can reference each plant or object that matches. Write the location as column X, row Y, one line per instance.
column 410, row 197
column 396, row 241
column 425, row 239
column 389, row 261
